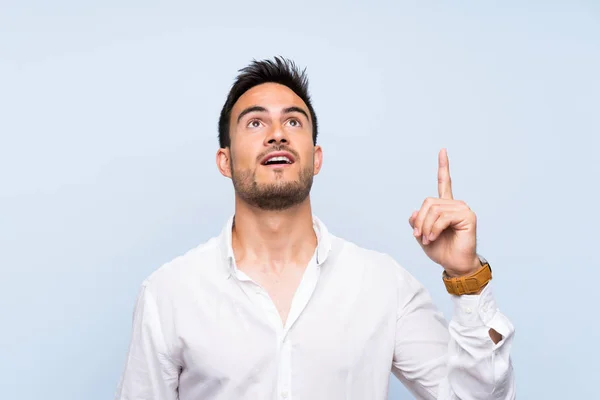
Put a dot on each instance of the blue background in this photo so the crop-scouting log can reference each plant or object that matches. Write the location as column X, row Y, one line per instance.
column 108, row 115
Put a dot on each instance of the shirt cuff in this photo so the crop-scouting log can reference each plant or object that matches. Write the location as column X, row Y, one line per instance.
column 475, row 310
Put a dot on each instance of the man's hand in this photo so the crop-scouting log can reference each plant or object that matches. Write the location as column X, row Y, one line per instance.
column 446, row 228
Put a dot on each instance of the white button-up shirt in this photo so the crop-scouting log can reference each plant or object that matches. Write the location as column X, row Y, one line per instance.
column 203, row 330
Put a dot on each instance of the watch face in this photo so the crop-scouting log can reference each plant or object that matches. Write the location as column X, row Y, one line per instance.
column 484, row 261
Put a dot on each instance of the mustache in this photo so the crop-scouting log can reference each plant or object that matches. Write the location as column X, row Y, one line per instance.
column 278, row 148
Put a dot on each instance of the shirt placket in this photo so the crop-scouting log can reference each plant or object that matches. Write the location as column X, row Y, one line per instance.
column 299, row 302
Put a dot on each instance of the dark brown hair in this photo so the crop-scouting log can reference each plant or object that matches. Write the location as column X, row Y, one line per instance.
column 279, row 70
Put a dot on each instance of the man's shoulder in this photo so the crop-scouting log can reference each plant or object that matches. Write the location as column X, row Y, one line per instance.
column 351, row 249
column 379, row 268
column 376, row 260
column 201, row 264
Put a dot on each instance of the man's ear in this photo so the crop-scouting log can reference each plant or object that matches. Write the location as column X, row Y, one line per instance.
column 317, row 159
column 224, row 161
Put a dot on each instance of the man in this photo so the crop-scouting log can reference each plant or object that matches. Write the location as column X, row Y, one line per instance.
column 276, row 307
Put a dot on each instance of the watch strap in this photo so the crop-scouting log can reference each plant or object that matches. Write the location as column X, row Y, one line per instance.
column 469, row 284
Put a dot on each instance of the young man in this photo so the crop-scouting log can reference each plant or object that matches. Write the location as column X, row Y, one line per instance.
column 277, row 307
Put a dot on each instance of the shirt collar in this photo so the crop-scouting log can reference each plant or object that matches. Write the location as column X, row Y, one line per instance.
column 323, row 243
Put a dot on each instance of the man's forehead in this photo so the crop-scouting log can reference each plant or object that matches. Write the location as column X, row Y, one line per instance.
column 268, row 95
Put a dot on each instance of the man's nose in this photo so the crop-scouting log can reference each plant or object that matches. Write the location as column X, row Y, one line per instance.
column 277, row 135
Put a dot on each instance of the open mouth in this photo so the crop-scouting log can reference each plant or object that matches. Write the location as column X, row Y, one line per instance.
column 278, row 159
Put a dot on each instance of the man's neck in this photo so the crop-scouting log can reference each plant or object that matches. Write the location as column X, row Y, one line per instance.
column 273, row 238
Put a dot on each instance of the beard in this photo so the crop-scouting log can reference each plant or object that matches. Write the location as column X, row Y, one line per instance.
column 276, row 196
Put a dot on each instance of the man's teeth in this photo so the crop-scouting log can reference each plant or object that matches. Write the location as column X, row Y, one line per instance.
column 277, row 159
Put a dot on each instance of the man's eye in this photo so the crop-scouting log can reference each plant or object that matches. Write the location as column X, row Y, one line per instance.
column 254, row 124
column 294, row 123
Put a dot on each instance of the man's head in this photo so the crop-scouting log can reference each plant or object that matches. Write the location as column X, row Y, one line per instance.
column 267, row 136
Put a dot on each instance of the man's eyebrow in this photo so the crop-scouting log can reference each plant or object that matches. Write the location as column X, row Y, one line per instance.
column 249, row 110
column 296, row 109
column 287, row 110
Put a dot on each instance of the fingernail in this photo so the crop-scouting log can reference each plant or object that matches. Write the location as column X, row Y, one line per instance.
column 430, row 238
column 416, row 232
column 425, row 241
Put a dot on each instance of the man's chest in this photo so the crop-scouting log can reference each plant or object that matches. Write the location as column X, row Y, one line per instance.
column 333, row 326
column 279, row 288
column 281, row 293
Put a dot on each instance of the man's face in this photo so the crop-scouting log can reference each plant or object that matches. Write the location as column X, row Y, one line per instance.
column 272, row 158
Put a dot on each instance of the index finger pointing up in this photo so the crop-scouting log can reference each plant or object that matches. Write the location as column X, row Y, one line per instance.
column 444, row 182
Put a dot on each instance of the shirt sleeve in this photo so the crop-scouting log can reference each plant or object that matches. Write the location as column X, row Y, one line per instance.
column 437, row 360
column 149, row 374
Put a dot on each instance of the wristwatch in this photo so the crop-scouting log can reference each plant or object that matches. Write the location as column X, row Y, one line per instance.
column 469, row 284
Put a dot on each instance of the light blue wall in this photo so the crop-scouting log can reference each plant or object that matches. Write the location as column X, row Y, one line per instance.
column 108, row 118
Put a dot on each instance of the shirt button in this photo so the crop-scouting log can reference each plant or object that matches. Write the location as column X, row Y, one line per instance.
column 468, row 310
column 284, row 394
